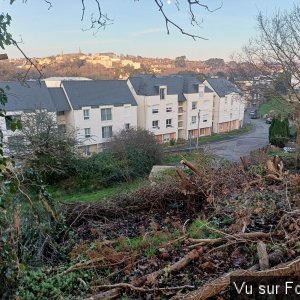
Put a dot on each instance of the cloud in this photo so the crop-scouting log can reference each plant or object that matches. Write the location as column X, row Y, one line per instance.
column 147, row 31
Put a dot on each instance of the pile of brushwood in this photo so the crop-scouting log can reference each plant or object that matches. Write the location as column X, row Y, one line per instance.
column 184, row 238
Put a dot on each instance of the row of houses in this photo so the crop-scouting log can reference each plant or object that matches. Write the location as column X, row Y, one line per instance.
column 171, row 107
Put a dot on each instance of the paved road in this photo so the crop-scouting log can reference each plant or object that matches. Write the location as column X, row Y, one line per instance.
column 235, row 148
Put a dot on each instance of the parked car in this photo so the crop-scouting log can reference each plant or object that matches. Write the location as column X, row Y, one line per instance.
column 269, row 120
column 289, row 149
column 253, row 114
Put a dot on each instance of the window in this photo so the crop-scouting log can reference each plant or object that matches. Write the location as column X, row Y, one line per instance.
column 106, row 114
column 86, row 150
column 127, row 126
column 87, row 132
column 205, row 118
column 155, row 124
column 166, row 137
column 194, row 105
column 169, row 108
column 162, row 93
column 194, row 119
column 169, row 123
column 60, row 113
column 155, row 109
column 86, row 114
column 106, row 132
column 206, row 104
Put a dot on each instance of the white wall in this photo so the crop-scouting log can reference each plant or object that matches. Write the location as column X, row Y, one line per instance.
column 204, row 103
column 162, row 115
column 145, row 115
column 121, row 115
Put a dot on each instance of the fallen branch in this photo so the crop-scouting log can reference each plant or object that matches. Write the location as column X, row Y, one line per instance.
column 238, row 237
column 147, row 279
column 143, row 290
column 190, row 166
column 216, row 286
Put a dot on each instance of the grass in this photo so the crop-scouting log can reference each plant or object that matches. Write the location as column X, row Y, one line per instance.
column 99, row 195
column 147, row 245
column 282, row 154
column 200, row 229
column 175, row 158
column 278, row 105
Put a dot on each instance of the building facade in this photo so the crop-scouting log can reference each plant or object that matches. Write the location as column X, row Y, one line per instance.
column 228, row 105
column 171, row 107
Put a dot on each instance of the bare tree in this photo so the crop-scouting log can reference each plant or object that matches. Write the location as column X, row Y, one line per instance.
column 275, row 53
column 41, row 144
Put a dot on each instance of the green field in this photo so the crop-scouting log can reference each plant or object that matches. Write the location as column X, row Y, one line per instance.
column 279, row 106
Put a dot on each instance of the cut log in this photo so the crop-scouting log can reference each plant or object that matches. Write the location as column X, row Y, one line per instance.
column 263, row 255
column 239, row 237
column 216, row 286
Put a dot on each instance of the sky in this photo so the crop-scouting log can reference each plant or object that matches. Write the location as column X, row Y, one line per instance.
column 138, row 28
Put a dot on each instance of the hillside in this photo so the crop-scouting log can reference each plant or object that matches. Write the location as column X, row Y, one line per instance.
column 108, row 66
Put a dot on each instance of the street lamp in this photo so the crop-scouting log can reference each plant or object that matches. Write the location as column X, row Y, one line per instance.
column 3, row 56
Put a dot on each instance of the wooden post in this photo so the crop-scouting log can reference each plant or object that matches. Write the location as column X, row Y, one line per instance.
column 198, row 136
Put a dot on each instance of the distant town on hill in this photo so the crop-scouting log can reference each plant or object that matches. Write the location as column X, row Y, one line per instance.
column 112, row 66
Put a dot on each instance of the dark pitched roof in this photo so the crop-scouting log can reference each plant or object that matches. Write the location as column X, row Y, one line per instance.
column 191, row 85
column 147, row 85
column 59, row 98
column 223, row 87
column 98, row 92
column 27, row 96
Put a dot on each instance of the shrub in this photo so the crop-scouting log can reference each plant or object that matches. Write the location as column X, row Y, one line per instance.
column 101, row 167
column 279, row 132
column 138, row 150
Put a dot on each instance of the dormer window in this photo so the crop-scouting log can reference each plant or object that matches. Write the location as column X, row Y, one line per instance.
column 162, row 93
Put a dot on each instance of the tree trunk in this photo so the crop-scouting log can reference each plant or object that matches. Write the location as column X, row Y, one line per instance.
column 298, row 139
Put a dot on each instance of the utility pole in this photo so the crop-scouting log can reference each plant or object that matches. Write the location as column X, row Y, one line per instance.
column 198, row 136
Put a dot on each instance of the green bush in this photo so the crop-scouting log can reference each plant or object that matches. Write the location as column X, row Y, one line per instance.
column 138, row 150
column 279, row 132
column 101, row 168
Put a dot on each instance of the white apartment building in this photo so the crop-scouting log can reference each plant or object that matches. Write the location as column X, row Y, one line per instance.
column 173, row 107
column 195, row 113
column 228, row 105
column 157, row 99
column 95, row 110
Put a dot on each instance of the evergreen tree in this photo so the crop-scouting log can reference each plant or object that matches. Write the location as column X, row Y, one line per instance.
column 279, row 132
